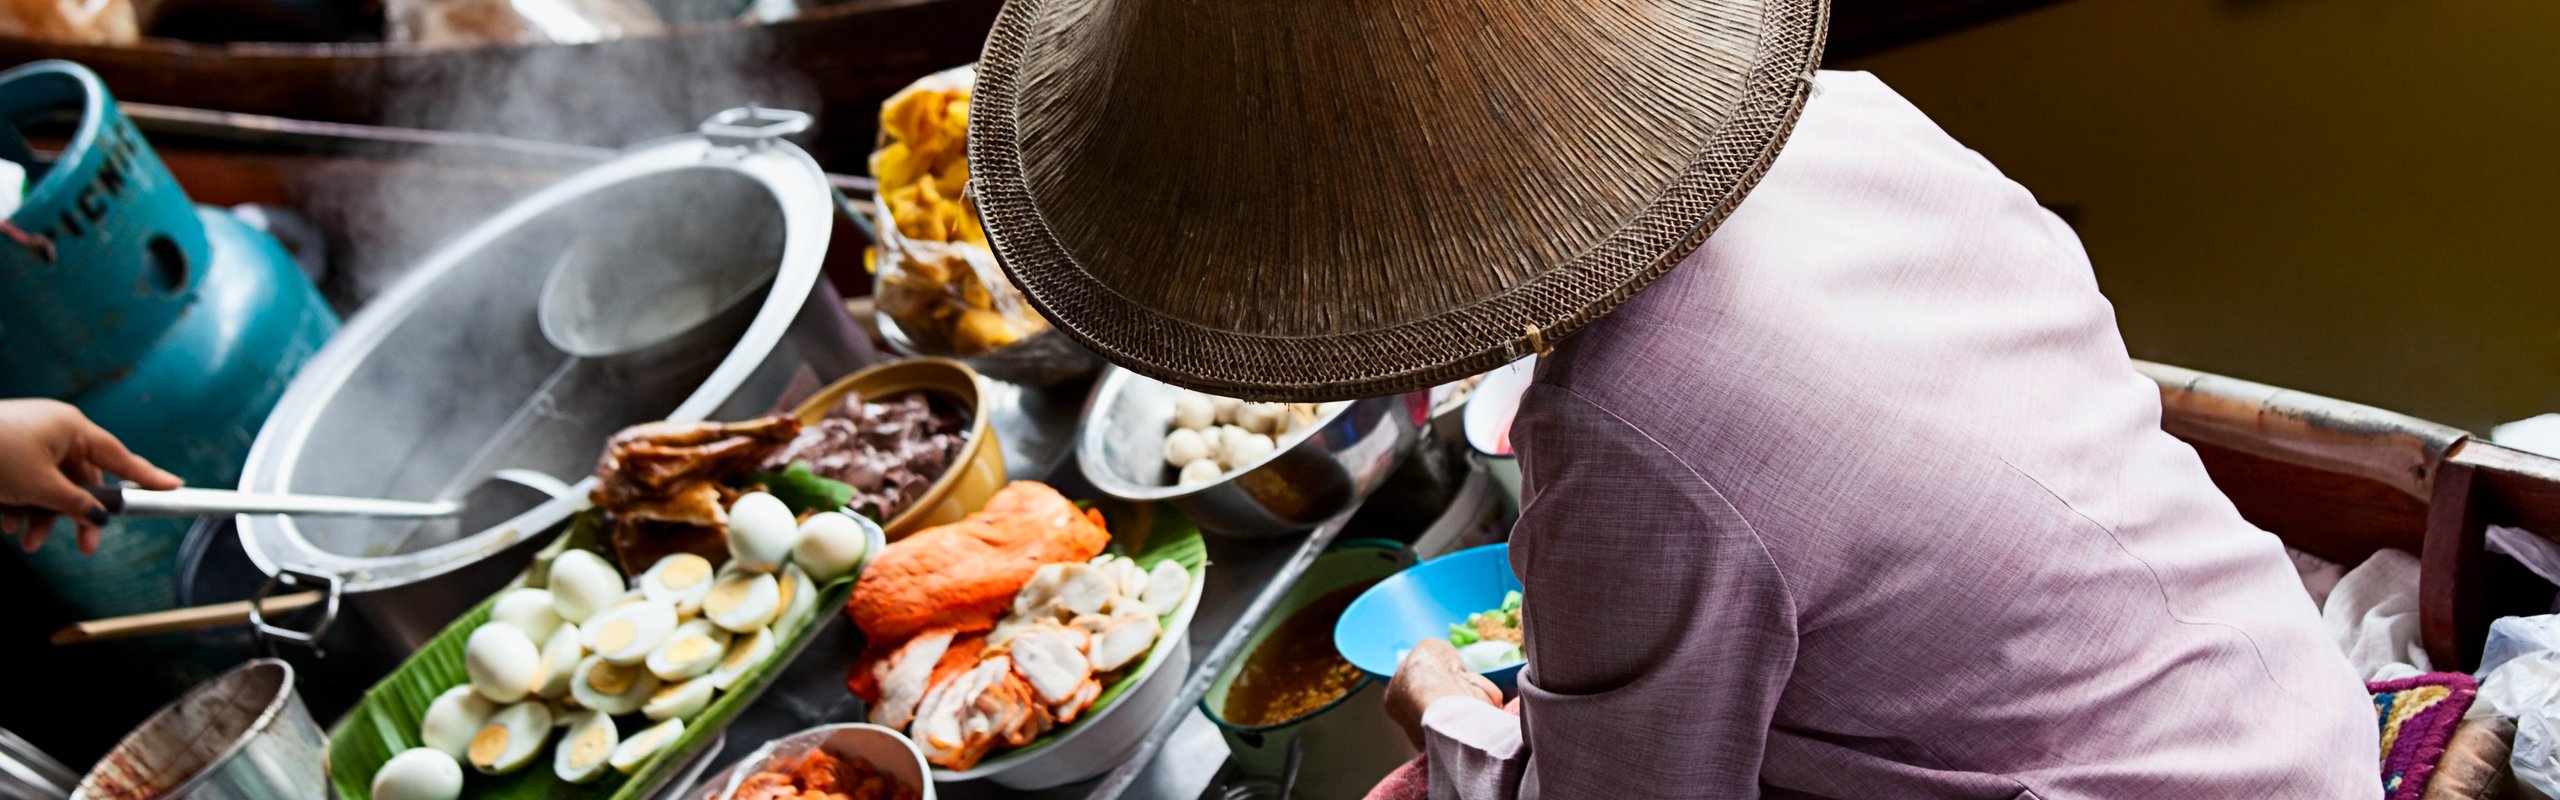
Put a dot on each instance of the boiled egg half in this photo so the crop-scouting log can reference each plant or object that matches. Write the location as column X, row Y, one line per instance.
column 611, row 688
column 511, row 738
column 585, row 748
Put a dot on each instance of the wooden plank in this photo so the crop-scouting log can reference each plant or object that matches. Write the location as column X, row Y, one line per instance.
column 2305, row 429
column 2450, row 589
column 2337, row 516
column 2525, row 486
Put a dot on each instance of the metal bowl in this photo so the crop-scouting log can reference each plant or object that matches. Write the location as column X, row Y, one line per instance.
column 973, row 476
column 1314, row 474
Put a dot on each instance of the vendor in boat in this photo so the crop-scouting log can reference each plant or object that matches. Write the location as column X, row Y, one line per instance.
column 48, row 451
column 1861, row 498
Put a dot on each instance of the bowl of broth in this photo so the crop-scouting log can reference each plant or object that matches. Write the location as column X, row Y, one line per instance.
column 1292, row 685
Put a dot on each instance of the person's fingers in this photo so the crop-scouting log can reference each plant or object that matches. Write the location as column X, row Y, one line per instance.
column 9, row 522
column 1433, row 651
column 106, row 451
column 82, row 472
column 39, row 526
column 56, row 491
column 1491, row 691
column 87, row 526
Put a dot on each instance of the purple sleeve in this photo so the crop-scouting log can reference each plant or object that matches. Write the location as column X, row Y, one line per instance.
column 1660, row 633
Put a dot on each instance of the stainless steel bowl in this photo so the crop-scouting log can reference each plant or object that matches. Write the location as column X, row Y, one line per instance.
column 1313, row 475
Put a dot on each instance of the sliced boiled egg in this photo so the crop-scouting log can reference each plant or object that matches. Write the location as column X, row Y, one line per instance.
column 611, row 688
column 678, row 580
column 692, row 651
column 680, row 700
column 799, row 599
column 511, row 738
column 418, row 773
column 831, row 543
column 529, row 610
column 625, row 634
column 584, row 749
column 743, row 601
column 451, row 720
column 628, row 756
column 502, row 662
column 560, row 656
column 745, row 652
column 761, row 532
column 583, row 584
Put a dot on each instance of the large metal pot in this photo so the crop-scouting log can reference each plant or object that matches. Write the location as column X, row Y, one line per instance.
column 1315, row 474
column 449, row 377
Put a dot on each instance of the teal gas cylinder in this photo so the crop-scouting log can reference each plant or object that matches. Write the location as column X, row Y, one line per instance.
column 173, row 325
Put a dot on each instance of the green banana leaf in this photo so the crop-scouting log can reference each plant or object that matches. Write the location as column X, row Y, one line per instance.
column 385, row 721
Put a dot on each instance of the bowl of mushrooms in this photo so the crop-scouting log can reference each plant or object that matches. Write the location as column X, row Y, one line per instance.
column 1241, row 468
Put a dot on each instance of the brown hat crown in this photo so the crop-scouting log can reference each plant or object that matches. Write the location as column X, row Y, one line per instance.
column 1316, row 199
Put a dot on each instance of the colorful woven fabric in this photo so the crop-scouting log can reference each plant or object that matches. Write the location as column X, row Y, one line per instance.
column 2417, row 716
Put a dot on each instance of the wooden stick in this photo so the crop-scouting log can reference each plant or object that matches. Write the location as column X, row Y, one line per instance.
column 177, row 619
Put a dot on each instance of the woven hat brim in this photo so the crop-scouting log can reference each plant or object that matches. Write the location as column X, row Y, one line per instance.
column 1453, row 344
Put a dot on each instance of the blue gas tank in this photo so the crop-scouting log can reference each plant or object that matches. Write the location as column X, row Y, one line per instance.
column 173, row 325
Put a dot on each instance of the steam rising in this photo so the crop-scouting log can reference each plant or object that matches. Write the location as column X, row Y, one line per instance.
column 608, row 95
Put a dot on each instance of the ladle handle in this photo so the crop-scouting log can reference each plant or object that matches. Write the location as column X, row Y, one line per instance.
column 176, row 620
column 131, row 502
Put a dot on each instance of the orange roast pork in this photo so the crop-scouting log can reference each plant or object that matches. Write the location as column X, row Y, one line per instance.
column 964, row 575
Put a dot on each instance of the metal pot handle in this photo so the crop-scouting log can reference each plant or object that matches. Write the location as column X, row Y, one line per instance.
column 331, row 589
column 753, row 127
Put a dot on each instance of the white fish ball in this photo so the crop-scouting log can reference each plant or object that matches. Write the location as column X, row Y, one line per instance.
column 1194, row 410
column 1201, row 471
column 1183, row 446
column 1262, row 417
column 1230, row 437
column 1253, row 448
column 1226, row 408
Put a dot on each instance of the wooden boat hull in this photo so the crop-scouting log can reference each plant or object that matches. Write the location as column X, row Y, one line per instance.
column 2341, row 481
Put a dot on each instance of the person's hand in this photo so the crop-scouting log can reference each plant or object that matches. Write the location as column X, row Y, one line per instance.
column 1431, row 672
column 48, row 453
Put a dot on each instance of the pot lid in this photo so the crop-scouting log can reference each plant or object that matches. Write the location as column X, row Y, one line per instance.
column 448, row 377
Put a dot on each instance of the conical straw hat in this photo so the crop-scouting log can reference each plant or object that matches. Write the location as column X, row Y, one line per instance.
column 1325, row 199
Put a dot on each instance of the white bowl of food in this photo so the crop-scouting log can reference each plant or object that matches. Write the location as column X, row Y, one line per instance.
column 852, row 753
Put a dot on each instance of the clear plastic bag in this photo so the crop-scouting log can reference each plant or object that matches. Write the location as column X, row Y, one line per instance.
column 2520, row 678
column 939, row 289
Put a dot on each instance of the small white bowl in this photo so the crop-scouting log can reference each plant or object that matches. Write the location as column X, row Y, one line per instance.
column 886, row 750
column 1488, row 417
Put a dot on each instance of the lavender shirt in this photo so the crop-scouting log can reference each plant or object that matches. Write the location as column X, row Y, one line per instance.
column 1866, row 501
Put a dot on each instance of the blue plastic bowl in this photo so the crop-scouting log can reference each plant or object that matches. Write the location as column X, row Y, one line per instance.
column 1420, row 603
